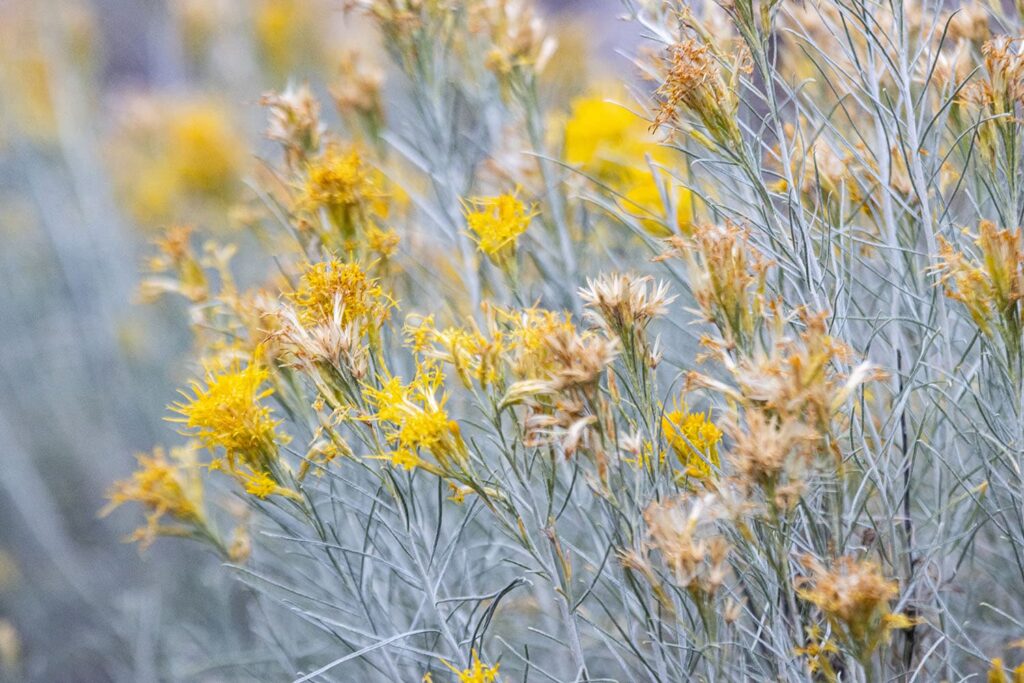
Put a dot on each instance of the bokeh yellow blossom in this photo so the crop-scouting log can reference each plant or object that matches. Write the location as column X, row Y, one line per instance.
column 165, row 487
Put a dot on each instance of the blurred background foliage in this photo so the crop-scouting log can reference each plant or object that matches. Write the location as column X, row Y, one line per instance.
column 119, row 118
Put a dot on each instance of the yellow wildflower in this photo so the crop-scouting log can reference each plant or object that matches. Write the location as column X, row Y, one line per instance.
column 643, row 200
column 361, row 298
column 604, row 138
column 470, row 352
column 348, row 188
column 408, row 460
column 227, row 414
column 641, row 454
column 819, row 652
column 262, row 485
column 415, row 420
column 459, row 493
column 382, row 243
column 478, row 672
column 173, row 159
column 998, row 674
column 163, row 487
column 419, row 333
column 528, row 339
column 497, row 222
column 694, row 439
column 424, row 428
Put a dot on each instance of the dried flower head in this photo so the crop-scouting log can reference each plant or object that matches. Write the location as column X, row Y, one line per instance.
column 854, row 596
column 772, row 454
column 796, row 378
column 358, row 91
column 989, row 288
column 578, row 360
column 332, row 342
column 624, row 301
column 684, row 532
column 1004, row 64
column 177, row 268
column 695, row 82
column 294, row 122
column 516, row 33
column 727, row 276
column 969, row 22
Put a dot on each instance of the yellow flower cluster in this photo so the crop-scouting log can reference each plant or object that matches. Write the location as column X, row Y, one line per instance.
column 163, row 487
column 497, row 222
column 478, row 672
column 285, row 31
column 205, row 152
column 602, row 137
column 530, row 332
column 694, row 439
column 361, row 299
column 415, row 421
column 260, row 484
column 227, row 413
column 470, row 352
column 347, row 187
column 998, row 674
column 517, row 342
column 819, row 652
